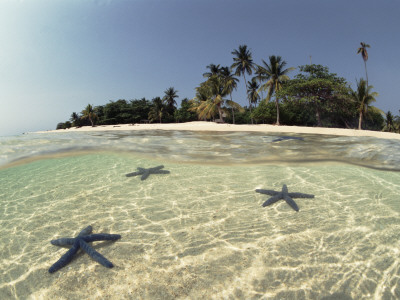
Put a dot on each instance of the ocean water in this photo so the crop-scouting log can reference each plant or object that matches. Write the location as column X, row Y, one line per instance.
column 201, row 232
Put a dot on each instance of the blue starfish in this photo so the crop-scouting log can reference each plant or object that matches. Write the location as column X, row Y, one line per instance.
column 146, row 172
column 81, row 241
column 284, row 194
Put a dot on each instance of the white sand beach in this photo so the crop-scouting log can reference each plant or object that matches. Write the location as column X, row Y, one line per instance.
column 211, row 126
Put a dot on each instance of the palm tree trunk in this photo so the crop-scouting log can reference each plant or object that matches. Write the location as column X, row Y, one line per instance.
column 360, row 121
column 247, row 92
column 269, row 95
column 233, row 112
column 366, row 73
column 277, row 112
column 220, row 114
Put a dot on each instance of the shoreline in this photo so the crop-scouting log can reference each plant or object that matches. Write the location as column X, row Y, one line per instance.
column 212, row 126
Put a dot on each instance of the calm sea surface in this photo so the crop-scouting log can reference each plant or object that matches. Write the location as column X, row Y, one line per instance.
column 201, row 231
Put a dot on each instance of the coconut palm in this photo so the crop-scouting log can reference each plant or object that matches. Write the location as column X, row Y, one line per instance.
column 243, row 63
column 88, row 113
column 214, row 70
column 217, row 92
column 364, row 54
column 252, row 88
column 169, row 99
column 75, row 119
column 230, row 82
column 202, row 104
column 389, row 126
column 363, row 98
column 157, row 109
column 275, row 74
column 210, row 98
column 259, row 77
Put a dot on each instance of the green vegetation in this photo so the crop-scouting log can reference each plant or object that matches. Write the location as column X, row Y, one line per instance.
column 243, row 63
column 313, row 97
column 275, row 75
column 363, row 97
column 89, row 114
column 323, row 94
column 210, row 95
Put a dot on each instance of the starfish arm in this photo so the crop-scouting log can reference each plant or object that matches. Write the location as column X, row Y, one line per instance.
column 145, row 175
column 132, row 174
column 65, row 259
column 63, row 242
column 156, row 168
column 272, row 200
column 95, row 255
column 161, row 172
column 300, row 195
column 267, row 192
column 86, row 231
column 71, row 241
column 284, row 190
column 139, row 172
column 291, row 202
column 101, row 237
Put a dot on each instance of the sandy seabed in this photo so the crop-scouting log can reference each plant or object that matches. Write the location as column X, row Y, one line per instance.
column 211, row 126
column 200, row 232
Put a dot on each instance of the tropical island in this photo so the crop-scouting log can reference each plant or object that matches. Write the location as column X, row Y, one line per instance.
column 314, row 97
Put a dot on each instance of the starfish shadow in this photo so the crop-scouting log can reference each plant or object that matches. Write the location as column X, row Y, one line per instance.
column 81, row 242
column 285, row 195
column 146, row 172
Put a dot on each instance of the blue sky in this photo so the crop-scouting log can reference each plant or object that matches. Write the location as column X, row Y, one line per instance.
column 56, row 56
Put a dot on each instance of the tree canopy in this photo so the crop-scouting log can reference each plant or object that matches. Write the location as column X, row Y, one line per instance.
column 316, row 88
column 363, row 97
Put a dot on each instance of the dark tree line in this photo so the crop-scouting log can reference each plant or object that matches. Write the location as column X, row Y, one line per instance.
column 133, row 111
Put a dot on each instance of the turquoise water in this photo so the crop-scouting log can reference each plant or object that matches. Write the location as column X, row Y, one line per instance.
column 200, row 231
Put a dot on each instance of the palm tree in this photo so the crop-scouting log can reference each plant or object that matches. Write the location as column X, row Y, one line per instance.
column 75, row 119
column 88, row 113
column 252, row 87
column 389, row 126
column 364, row 54
column 157, row 109
column 260, row 77
column 363, row 98
column 230, row 82
column 217, row 91
column 169, row 99
column 210, row 99
column 243, row 63
column 275, row 74
column 214, row 70
column 202, row 104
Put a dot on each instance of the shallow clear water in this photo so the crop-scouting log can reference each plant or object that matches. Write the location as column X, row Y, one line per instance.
column 200, row 231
